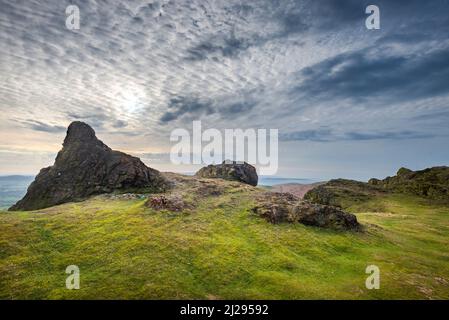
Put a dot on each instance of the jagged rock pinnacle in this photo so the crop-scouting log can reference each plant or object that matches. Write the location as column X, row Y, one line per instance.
column 79, row 132
column 86, row 166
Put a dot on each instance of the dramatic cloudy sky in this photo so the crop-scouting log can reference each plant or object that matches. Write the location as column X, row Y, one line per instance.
column 348, row 102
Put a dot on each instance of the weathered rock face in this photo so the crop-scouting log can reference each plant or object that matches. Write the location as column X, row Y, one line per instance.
column 86, row 166
column 275, row 207
column 284, row 207
column 244, row 172
column 324, row 216
column 432, row 183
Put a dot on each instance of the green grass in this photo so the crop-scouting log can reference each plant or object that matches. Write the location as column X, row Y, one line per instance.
column 221, row 251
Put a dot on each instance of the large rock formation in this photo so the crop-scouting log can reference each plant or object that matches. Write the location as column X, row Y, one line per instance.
column 278, row 207
column 432, row 183
column 242, row 172
column 86, row 166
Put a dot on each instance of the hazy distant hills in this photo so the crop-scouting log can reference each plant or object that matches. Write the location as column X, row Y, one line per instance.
column 13, row 188
column 275, row 180
column 15, row 178
column 296, row 189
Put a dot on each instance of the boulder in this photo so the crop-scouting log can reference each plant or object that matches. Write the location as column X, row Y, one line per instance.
column 284, row 207
column 275, row 207
column 235, row 171
column 86, row 166
column 324, row 216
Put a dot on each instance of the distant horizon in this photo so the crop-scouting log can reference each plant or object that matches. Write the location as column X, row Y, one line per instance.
column 184, row 173
column 261, row 177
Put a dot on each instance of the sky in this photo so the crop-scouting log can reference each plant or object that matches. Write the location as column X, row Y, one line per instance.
column 348, row 102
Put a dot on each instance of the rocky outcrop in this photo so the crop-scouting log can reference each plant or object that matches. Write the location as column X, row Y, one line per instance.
column 275, row 207
column 342, row 193
column 242, row 172
column 324, row 216
column 86, row 166
column 284, row 207
column 432, row 183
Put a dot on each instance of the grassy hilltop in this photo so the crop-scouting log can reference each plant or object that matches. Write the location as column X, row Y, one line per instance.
column 214, row 247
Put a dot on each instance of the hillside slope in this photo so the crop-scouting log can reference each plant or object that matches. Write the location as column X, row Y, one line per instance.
column 212, row 247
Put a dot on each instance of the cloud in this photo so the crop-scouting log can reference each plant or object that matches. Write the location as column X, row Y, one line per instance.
column 293, row 23
column 188, row 108
column 228, row 46
column 97, row 117
column 132, row 58
column 319, row 135
column 183, row 106
column 119, row 124
column 362, row 75
column 238, row 108
column 43, row 127
column 439, row 115
column 400, row 135
column 328, row 135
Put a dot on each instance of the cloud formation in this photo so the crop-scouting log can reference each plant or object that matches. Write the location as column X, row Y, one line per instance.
column 363, row 75
column 138, row 69
column 327, row 135
column 41, row 126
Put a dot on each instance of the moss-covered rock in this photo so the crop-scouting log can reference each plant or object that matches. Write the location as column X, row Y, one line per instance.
column 432, row 183
column 242, row 172
column 277, row 207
